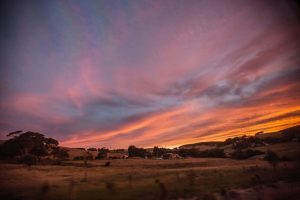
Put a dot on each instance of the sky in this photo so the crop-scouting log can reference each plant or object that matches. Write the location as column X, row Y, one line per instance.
column 144, row 73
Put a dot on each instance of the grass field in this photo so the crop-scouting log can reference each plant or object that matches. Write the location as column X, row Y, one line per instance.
column 202, row 178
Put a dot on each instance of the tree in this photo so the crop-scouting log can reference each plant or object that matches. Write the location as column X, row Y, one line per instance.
column 240, row 155
column 28, row 160
column 28, row 143
column 102, row 153
column 136, row 152
column 92, row 149
column 158, row 152
column 192, row 152
column 272, row 158
column 60, row 153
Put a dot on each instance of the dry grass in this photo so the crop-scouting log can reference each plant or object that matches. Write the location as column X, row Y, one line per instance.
column 290, row 149
column 140, row 179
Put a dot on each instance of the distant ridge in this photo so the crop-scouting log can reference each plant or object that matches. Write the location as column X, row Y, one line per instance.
column 201, row 143
column 278, row 134
column 292, row 130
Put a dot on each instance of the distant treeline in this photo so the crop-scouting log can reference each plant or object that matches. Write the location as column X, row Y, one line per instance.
column 30, row 147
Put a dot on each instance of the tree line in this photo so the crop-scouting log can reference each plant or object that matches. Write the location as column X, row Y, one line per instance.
column 30, row 147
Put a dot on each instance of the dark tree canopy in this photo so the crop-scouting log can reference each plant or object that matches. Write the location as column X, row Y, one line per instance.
column 102, row 153
column 158, row 152
column 136, row 152
column 22, row 144
column 60, row 153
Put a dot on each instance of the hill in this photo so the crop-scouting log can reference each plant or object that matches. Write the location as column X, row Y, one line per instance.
column 292, row 133
column 289, row 132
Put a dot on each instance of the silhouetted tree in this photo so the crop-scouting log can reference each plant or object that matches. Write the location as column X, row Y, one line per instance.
column 60, row 153
column 272, row 158
column 138, row 152
column 102, row 153
column 28, row 143
column 193, row 152
column 158, row 152
column 245, row 154
column 28, row 160
column 92, row 149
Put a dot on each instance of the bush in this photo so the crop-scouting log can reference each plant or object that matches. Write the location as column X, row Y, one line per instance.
column 272, row 157
column 60, row 153
column 136, row 152
column 28, row 160
column 78, row 158
column 240, row 155
column 89, row 157
column 216, row 153
column 188, row 152
column 92, row 149
column 102, row 153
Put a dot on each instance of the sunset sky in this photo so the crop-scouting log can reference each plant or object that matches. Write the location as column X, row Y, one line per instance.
column 167, row 73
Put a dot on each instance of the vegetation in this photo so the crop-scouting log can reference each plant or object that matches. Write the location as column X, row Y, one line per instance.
column 203, row 174
column 60, row 153
column 28, row 143
column 243, row 142
column 193, row 178
column 28, row 160
column 78, row 158
column 35, row 144
column 245, row 154
column 136, row 152
column 195, row 153
column 92, row 149
column 272, row 158
column 159, row 152
column 102, row 153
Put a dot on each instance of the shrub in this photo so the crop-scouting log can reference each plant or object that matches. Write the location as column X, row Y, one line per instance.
column 78, row 158
column 216, row 152
column 240, row 155
column 136, row 152
column 102, row 153
column 89, row 156
column 188, row 152
column 272, row 158
column 60, row 153
column 92, row 149
column 28, row 160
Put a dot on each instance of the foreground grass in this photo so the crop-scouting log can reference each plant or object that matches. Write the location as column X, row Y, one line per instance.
column 141, row 179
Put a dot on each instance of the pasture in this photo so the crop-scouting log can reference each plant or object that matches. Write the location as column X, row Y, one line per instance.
column 189, row 178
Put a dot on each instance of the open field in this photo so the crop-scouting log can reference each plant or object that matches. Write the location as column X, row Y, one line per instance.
column 191, row 178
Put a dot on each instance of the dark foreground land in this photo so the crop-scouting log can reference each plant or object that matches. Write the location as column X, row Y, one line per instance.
column 190, row 178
